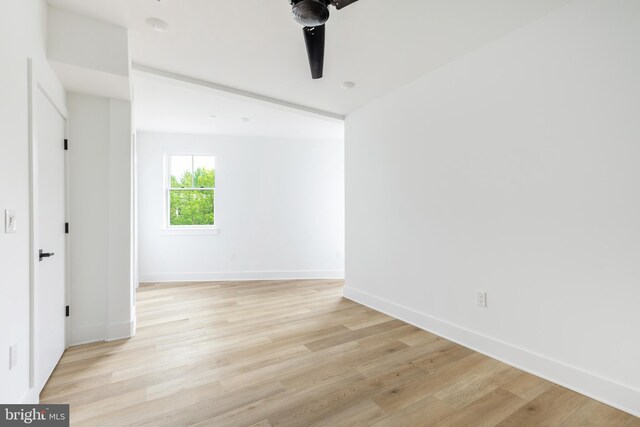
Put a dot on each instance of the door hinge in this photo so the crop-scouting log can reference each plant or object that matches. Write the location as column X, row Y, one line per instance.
column 66, row 311
column 66, row 144
column 66, row 228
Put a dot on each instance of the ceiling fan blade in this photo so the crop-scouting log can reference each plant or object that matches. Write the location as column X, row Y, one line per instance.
column 339, row 4
column 314, row 39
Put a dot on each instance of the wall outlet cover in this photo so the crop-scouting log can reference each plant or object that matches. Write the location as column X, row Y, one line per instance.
column 9, row 221
column 13, row 356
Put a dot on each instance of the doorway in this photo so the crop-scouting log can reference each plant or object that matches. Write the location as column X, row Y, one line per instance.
column 48, row 231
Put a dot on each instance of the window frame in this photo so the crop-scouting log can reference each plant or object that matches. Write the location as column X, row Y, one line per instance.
column 167, row 189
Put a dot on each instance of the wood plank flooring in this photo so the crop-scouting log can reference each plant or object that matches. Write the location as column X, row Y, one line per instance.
column 295, row 353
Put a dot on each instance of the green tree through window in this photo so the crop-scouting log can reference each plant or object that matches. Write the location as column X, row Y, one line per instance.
column 191, row 190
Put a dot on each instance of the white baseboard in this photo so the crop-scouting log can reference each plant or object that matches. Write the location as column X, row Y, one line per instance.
column 120, row 331
column 240, row 276
column 610, row 392
column 101, row 332
column 87, row 334
column 30, row 398
column 134, row 322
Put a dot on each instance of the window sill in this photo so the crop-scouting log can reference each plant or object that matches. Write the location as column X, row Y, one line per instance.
column 191, row 231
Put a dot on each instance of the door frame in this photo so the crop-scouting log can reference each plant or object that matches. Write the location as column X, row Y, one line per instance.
column 37, row 85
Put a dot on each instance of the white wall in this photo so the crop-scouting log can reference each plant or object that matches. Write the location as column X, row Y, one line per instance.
column 514, row 170
column 87, row 43
column 106, row 125
column 99, row 132
column 89, row 56
column 17, row 43
column 279, row 210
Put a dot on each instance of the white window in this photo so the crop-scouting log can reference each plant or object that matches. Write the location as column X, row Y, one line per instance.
column 190, row 191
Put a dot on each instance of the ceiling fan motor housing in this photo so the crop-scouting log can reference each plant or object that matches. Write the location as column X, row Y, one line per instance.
column 311, row 13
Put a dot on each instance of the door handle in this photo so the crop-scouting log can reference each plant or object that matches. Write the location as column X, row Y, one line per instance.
column 44, row 254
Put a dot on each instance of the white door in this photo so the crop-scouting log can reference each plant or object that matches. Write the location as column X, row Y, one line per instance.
column 50, row 221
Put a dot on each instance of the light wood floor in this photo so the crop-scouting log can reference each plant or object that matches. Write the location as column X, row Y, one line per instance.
column 296, row 353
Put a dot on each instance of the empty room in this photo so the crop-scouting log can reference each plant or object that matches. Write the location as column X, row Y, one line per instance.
column 320, row 213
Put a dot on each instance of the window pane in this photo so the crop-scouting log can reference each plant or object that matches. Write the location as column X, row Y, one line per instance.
column 204, row 175
column 191, row 207
column 181, row 174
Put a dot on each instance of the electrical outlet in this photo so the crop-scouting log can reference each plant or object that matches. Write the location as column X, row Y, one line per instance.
column 13, row 356
column 233, row 256
column 481, row 299
column 9, row 221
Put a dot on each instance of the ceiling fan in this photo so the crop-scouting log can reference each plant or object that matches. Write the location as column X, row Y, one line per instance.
column 312, row 15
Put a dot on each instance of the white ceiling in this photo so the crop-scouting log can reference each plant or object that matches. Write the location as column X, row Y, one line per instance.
column 169, row 105
column 255, row 46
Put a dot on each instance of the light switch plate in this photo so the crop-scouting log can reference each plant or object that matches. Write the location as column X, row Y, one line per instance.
column 9, row 221
column 481, row 299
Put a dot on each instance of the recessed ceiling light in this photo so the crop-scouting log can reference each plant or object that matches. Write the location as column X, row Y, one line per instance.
column 158, row 25
column 245, row 119
column 348, row 85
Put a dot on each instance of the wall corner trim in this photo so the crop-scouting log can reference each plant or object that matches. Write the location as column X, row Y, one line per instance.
column 612, row 393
